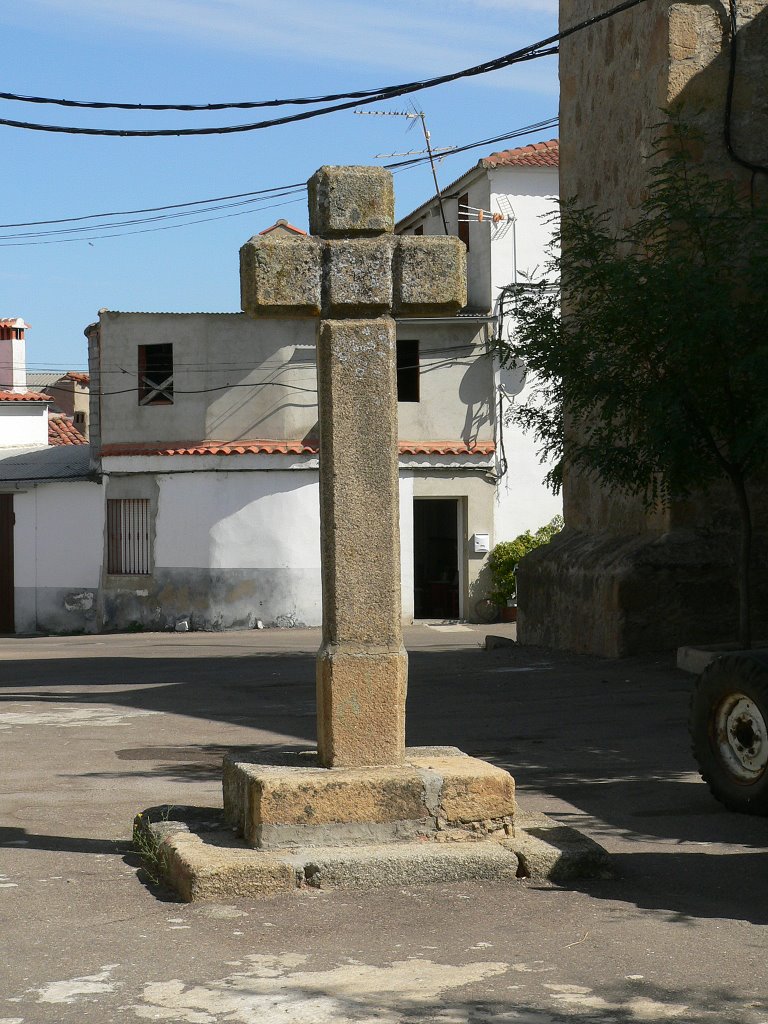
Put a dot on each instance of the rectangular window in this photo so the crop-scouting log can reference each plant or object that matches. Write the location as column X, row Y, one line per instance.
column 407, row 371
column 79, row 419
column 128, row 536
column 155, row 374
column 463, row 203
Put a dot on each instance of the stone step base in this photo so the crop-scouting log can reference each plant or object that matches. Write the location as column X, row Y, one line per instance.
column 202, row 860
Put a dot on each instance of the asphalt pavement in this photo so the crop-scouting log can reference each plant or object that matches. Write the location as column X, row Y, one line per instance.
column 94, row 729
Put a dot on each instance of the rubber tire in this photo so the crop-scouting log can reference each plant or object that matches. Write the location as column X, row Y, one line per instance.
column 743, row 672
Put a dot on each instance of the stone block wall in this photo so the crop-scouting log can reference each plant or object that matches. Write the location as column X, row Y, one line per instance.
column 621, row 580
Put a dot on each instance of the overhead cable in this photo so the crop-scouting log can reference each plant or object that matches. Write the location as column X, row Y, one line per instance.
column 298, row 186
column 544, row 47
column 231, row 129
column 278, row 191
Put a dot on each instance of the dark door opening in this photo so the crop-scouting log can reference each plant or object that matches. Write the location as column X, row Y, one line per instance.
column 436, row 558
column 7, row 615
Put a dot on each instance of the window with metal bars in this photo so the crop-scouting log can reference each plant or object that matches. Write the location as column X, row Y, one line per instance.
column 128, row 536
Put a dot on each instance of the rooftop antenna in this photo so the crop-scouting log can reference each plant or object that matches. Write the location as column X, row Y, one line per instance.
column 500, row 221
column 413, row 116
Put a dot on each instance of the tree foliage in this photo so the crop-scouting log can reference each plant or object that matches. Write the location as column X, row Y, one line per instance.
column 660, row 356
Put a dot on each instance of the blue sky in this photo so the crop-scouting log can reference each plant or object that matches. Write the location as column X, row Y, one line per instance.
column 202, row 51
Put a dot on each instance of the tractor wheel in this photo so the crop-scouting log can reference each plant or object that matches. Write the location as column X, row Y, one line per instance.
column 729, row 730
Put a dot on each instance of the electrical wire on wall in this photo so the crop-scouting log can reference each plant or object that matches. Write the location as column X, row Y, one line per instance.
column 755, row 168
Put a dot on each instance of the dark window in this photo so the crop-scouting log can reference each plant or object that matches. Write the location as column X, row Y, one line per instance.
column 463, row 203
column 79, row 419
column 128, row 536
column 407, row 371
column 155, row 374
column 419, row 230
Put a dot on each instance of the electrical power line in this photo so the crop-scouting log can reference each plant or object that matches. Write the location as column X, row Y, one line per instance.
column 298, row 186
column 142, row 231
column 275, row 192
column 125, row 133
column 160, row 217
column 544, row 47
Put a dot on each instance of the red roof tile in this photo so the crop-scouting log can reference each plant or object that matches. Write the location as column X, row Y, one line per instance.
column 251, row 447
column 24, row 396
column 81, row 378
column 285, row 226
column 63, row 431
column 447, row 448
column 539, row 154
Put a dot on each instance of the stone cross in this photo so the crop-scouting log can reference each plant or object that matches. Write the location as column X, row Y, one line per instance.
column 354, row 274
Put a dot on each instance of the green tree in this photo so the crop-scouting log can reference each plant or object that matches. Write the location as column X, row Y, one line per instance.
column 661, row 357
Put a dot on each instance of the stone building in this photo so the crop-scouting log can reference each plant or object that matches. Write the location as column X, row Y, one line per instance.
column 621, row 580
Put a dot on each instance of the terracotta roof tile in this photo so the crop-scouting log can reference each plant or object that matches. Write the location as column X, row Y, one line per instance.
column 539, row 154
column 63, row 431
column 447, row 448
column 283, row 225
column 24, row 396
column 81, row 378
column 268, row 447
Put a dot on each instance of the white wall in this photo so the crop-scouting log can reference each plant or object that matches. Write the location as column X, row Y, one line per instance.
column 238, row 520
column 59, row 535
column 210, row 352
column 23, row 424
column 455, row 382
column 522, row 500
column 266, row 520
column 406, row 545
column 58, row 542
column 13, row 371
column 531, row 192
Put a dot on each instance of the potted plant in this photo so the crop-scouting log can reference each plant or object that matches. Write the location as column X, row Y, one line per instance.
column 503, row 561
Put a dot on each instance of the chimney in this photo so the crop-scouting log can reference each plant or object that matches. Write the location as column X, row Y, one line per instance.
column 13, row 361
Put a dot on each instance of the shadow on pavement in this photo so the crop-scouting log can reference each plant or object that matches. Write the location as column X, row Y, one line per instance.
column 602, row 745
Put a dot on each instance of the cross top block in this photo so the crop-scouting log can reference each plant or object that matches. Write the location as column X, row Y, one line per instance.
column 345, row 202
column 352, row 265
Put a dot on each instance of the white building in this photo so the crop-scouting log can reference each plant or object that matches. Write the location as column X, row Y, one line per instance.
column 200, row 501
column 502, row 209
column 50, row 507
column 208, row 452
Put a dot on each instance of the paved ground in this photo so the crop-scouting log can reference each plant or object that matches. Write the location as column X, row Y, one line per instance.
column 93, row 729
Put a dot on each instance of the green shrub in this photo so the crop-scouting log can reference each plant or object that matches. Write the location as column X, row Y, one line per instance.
column 505, row 556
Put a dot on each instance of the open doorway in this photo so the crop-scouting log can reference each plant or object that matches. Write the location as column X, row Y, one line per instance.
column 436, row 558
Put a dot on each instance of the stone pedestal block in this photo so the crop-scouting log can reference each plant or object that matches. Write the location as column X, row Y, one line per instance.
column 444, row 795
column 361, row 694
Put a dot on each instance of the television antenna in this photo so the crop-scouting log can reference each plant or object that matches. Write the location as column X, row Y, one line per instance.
column 415, row 116
column 501, row 221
